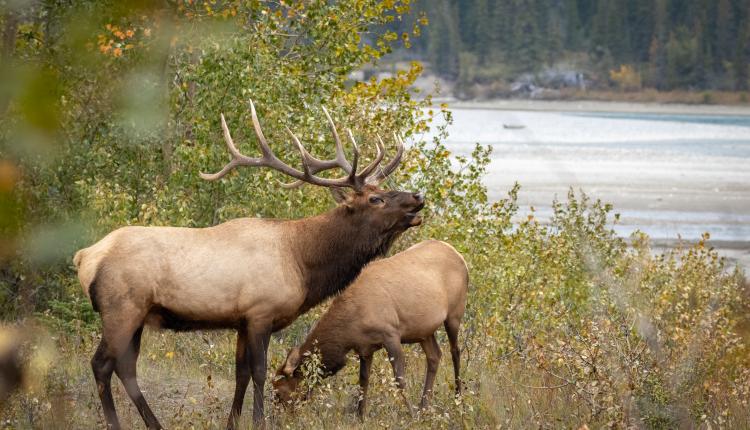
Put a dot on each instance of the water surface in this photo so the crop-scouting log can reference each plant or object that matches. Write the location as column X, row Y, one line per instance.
column 671, row 176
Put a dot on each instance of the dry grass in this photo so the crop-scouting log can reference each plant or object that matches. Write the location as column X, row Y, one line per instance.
column 188, row 380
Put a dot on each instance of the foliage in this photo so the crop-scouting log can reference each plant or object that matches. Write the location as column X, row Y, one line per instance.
column 626, row 78
column 96, row 153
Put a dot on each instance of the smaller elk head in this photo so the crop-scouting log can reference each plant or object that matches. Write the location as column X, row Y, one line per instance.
column 287, row 379
column 385, row 212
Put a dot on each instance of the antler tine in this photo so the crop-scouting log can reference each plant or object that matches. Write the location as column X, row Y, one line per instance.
column 376, row 162
column 384, row 172
column 264, row 148
column 303, row 153
column 340, row 154
column 355, row 157
column 237, row 157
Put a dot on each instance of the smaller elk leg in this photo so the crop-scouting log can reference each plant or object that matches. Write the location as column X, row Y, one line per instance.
column 125, row 368
column 259, row 336
column 433, row 354
column 242, row 369
column 396, row 356
column 451, row 327
column 365, row 364
column 103, row 366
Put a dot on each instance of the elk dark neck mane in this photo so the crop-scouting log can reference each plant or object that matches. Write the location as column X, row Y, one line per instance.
column 325, row 338
column 333, row 248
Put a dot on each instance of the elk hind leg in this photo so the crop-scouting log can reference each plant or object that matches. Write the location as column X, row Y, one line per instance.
column 432, row 352
column 103, row 365
column 125, row 367
column 119, row 327
column 451, row 328
column 365, row 364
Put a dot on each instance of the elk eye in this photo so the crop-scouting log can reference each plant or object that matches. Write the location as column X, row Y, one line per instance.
column 375, row 200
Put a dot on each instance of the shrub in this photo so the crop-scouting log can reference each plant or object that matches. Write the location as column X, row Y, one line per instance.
column 626, row 78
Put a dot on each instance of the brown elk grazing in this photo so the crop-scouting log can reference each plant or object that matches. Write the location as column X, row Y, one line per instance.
column 252, row 275
column 401, row 299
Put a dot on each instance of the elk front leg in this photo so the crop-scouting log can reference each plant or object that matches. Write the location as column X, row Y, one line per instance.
column 432, row 352
column 396, row 356
column 365, row 364
column 242, row 374
column 259, row 337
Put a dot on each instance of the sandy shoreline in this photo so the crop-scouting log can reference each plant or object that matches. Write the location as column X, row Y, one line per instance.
column 599, row 106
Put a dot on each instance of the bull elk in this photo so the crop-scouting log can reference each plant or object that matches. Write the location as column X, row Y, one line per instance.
column 401, row 299
column 252, row 275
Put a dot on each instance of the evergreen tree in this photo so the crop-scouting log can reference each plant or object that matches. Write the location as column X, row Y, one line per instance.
column 682, row 53
column 444, row 40
column 680, row 43
column 741, row 50
column 527, row 45
column 573, row 27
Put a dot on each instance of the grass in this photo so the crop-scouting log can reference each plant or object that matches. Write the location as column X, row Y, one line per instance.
column 188, row 379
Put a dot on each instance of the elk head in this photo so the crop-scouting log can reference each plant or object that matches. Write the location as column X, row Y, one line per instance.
column 286, row 382
column 386, row 211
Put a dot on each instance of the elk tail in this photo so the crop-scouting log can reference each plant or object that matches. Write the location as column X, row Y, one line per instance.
column 87, row 271
column 77, row 259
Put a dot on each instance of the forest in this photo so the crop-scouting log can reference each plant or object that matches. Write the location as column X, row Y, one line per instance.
column 661, row 44
column 109, row 110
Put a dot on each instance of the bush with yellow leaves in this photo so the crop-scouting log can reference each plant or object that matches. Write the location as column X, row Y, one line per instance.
column 626, row 78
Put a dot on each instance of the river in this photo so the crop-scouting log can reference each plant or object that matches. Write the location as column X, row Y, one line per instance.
column 671, row 175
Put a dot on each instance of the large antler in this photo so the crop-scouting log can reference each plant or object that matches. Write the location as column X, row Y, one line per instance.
column 372, row 174
column 310, row 164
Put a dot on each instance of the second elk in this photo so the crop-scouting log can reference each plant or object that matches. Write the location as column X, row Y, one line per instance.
column 397, row 300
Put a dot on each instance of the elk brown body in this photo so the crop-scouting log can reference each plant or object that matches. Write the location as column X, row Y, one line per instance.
column 396, row 300
column 252, row 275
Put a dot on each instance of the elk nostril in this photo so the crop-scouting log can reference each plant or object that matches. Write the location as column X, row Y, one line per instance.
column 418, row 197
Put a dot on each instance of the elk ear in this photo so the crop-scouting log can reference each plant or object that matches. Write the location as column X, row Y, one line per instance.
column 291, row 363
column 341, row 195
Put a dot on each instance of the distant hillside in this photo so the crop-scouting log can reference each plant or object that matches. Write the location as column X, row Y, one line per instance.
column 621, row 44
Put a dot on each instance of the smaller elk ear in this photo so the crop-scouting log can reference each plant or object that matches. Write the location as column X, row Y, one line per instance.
column 292, row 361
column 341, row 195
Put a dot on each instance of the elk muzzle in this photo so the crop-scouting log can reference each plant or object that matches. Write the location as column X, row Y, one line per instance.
column 412, row 216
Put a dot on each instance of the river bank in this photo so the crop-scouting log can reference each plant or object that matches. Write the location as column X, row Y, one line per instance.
column 602, row 106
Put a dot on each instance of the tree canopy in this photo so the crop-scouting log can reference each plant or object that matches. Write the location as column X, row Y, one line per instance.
column 699, row 44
